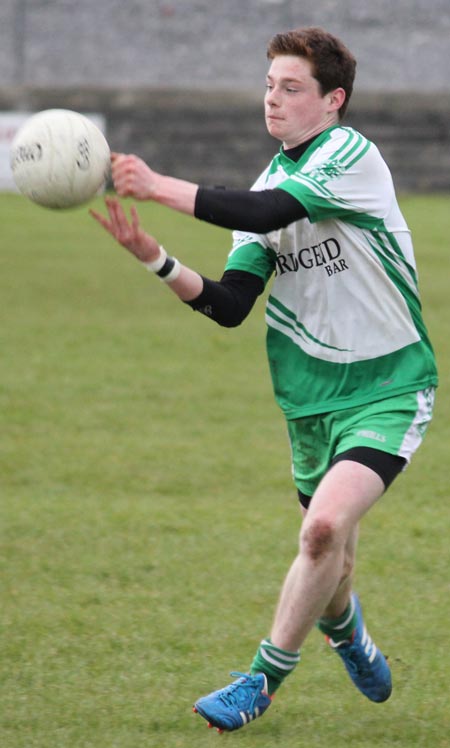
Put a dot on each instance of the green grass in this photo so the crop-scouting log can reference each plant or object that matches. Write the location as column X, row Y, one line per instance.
column 147, row 514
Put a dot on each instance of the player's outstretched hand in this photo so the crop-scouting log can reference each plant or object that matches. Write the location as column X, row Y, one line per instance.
column 128, row 232
column 132, row 177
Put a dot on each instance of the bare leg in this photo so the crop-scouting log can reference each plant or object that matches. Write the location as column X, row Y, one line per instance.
column 341, row 598
column 319, row 579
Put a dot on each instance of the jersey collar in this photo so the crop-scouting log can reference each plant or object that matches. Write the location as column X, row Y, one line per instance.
column 300, row 153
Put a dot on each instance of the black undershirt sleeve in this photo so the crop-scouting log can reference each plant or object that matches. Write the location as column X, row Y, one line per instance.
column 248, row 210
column 228, row 301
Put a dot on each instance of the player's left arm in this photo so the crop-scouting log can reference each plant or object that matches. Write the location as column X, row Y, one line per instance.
column 186, row 283
column 227, row 301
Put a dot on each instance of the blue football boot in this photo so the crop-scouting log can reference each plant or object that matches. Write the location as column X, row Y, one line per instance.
column 235, row 705
column 365, row 664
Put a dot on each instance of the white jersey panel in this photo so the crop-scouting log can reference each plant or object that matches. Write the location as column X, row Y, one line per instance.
column 336, row 315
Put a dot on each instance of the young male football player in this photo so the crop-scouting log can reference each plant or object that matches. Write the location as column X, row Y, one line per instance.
column 352, row 366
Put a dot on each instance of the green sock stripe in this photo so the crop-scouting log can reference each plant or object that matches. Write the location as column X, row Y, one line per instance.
column 281, row 658
column 342, row 627
column 274, row 662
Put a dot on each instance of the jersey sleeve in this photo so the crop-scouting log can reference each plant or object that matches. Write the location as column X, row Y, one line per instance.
column 342, row 181
column 251, row 253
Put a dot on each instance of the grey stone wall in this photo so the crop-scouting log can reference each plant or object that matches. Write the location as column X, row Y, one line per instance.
column 181, row 81
column 400, row 44
column 220, row 138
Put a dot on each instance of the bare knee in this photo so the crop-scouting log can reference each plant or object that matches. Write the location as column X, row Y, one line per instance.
column 319, row 537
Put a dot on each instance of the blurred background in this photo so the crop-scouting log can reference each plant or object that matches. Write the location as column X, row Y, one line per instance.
column 181, row 82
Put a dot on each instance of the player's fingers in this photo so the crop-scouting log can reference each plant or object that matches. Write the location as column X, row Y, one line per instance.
column 116, row 211
column 122, row 190
column 118, row 174
column 135, row 223
column 123, row 230
column 122, row 185
column 101, row 219
column 110, row 202
column 110, row 209
column 122, row 163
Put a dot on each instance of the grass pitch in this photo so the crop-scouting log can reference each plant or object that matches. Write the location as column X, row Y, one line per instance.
column 147, row 514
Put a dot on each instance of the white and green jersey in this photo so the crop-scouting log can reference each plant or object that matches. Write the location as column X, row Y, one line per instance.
column 344, row 315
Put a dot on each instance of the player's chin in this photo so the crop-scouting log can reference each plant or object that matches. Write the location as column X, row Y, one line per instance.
column 274, row 127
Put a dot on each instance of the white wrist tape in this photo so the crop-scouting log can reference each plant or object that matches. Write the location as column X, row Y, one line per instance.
column 155, row 265
column 174, row 272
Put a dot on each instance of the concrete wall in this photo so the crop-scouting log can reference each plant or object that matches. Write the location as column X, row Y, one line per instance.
column 181, row 83
column 220, row 138
column 401, row 44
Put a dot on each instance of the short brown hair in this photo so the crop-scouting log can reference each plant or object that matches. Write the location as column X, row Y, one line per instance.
column 333, row 65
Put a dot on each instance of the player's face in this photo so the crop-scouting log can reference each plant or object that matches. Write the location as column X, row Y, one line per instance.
column 295, row 109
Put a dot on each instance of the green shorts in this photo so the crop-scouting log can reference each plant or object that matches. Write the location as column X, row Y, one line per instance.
column 395, row 425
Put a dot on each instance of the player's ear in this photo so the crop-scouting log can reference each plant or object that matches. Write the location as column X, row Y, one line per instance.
column 336, row 99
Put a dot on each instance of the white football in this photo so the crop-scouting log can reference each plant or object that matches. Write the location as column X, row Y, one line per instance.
column 59, row 158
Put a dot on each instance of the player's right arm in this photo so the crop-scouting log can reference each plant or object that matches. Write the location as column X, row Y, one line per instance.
column 243, row 210
column 133, row 178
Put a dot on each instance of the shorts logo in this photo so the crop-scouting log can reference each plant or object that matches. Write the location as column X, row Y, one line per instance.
column 372, row 435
